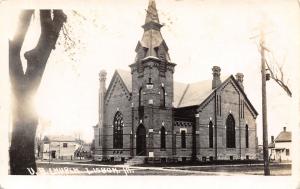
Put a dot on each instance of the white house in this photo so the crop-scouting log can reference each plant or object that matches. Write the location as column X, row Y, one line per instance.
column 60, row 147
column 280, row 148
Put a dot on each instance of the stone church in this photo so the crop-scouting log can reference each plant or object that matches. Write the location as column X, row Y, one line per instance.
column 145, row 113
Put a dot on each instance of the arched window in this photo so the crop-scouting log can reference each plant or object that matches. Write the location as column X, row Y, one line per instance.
column 118, row 130
column 247, row 136
column 211, row 134
column 141, row 97
column 162, row 97
column 230, row 132
column 163, row 138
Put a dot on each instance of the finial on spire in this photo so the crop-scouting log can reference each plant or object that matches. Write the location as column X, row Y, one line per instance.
column 152, row 15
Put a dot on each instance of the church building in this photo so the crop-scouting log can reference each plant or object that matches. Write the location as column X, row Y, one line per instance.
column 144, row 113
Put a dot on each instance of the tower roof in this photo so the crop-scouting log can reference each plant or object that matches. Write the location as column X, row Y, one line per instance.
column 152, row 15
column 152, row 43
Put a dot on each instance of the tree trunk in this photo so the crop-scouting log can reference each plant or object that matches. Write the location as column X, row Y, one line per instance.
column 25, row 121
column 25, row 85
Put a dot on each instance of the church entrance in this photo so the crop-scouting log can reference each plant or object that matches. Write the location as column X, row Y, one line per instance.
column 141, row 140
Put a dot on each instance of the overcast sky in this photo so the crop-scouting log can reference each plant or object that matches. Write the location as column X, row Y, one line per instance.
column 199, row 34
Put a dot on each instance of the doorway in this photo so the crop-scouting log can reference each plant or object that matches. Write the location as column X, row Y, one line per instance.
column 53, row 154
column 141, row 141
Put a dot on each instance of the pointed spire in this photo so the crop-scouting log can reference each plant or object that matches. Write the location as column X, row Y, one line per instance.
column 152, row 15
column 152, row 20
column 152, row 43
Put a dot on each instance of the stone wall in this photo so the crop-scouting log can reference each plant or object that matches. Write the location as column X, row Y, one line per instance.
column 229, row 101
column 116, row 100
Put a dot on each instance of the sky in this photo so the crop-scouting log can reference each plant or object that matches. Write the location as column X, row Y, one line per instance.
column 199, row 33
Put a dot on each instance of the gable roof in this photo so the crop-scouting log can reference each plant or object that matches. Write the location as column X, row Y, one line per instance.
column 187, row 94
column 126, row 77
column 231, row 78
column 179, row 91
column 284, row 136
column 194, row 93
column 60, row 138
column 244, row 94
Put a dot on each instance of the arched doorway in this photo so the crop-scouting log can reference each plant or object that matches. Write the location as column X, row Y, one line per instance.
column 141, row 140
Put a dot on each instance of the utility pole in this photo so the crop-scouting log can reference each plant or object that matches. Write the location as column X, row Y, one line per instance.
column 264, row 106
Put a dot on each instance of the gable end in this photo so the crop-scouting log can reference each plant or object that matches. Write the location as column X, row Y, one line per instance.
column 114, row 81
column 239, row 90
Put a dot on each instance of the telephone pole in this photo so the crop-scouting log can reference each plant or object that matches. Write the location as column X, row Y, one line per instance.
column 264, row 106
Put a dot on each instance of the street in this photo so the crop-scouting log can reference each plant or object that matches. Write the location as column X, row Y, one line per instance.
column 75, row 168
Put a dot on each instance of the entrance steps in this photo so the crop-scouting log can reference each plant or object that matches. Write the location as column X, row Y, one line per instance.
column 136, row 160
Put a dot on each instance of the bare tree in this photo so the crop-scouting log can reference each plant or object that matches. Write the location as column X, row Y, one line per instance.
column 275, row 70
column 24, row 85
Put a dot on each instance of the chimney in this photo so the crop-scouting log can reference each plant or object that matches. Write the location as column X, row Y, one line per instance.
column 102, row 90
column 272, row 139
column 284, row 129
column 240, row 78
column 216, row 77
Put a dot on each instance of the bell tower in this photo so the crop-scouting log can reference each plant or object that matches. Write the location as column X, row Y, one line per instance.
column 152, row 88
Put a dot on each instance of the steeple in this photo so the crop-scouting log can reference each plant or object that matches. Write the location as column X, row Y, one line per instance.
column 152, row 15
column 152, row 43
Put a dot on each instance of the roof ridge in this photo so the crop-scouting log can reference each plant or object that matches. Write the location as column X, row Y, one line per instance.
column 181, row 99
column 284, row 136
column 205, row 80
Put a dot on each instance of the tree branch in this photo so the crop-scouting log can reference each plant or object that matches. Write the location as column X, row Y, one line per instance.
column 276, row 71
column 15, row 64
column 24, row 22
column 37, row 57
column 279, row 80
column 46, row 21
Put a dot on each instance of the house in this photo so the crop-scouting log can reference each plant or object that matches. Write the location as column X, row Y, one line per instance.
column 60, row 147
column 145, row 113
column 280, row 148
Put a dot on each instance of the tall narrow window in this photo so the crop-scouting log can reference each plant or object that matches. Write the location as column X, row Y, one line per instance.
column 217, row 105
column 211, row 134
column 140, row 97
column 163, row 138
column 162, row 97
column 243, row 109
column 183, row 139
column 230, row 132
column 220, row 104
column 118, row 130
column 100, row 137
column 247, row 136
